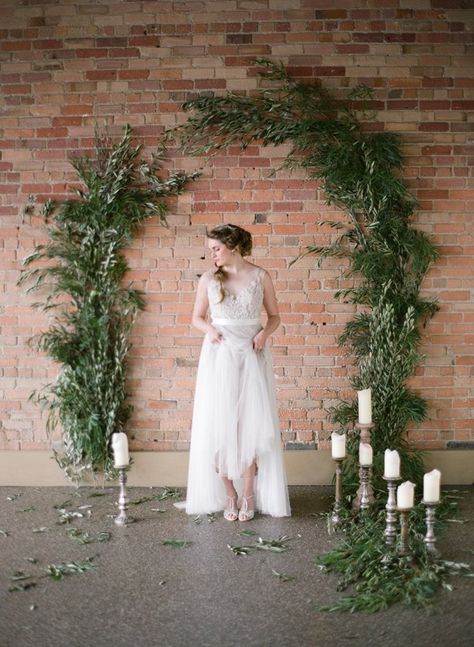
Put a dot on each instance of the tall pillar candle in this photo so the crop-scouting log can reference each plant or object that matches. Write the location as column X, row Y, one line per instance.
column 406, row 495
column 431, row 486
column 391, row 464
column 365, row 454
column 365, row 406
column 120, row 449
column 338, row 445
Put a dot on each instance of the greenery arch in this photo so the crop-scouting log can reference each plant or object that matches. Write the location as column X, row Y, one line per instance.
column 359, row 170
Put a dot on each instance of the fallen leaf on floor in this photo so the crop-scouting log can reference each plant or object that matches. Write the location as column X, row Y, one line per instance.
column 12, row 497
column 84, row 537
column 282, row 577
column 176, row 543
column 271, row 545
column 66, row 516
column 240, row 550
column 19, row 575
column 21, row 586
column 63, row 505
column 167, row 493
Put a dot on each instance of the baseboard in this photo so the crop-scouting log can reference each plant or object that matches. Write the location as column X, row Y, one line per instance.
column 303, row 467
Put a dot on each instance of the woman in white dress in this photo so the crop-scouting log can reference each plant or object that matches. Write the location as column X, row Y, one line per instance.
column 235, row 440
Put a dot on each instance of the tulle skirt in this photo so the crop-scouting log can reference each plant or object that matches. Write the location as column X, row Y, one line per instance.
column 235, row 422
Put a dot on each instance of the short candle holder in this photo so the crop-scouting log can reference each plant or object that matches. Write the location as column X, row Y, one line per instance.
column 364, row 437
column 404, row 547
column 335, row 517
column 390, row 532
column 122, row 519
column 430, row 539
column 365, row 487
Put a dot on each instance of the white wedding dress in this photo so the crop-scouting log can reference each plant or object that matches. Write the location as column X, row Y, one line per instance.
column 235, row 417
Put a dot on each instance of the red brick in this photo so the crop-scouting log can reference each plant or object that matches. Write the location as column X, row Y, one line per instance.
column 54, row 91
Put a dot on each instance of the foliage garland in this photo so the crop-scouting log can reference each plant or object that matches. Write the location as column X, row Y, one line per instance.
column 359, row 172
column 379, row 576
column 94, row 311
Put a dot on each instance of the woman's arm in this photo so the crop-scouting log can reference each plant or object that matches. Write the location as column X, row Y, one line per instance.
column 201, row 306
column 271, row 308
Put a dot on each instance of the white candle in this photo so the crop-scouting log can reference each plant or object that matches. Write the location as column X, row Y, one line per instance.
column 365, row 454
column 338, row 445
column 391, row 464
column 365, row 406
column 431, row 485
column 120, row 449
column 406, row 495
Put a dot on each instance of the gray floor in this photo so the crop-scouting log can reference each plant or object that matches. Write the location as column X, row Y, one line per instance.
column 144, row 593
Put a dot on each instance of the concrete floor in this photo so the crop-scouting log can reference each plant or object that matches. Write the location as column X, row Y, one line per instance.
column 143, row 593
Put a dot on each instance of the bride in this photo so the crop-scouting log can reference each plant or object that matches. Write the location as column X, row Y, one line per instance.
column 235, row 440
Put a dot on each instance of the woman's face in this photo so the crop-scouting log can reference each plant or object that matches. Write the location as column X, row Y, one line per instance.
column 220, row 254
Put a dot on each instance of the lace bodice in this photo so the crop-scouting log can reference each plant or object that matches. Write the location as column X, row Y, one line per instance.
column 247, row 304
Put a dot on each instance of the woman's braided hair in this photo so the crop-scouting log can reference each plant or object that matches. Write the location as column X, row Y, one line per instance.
column 235, row 238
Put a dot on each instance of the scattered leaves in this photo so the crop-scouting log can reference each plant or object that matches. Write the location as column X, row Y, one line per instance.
column 66, row 516
column 84, row 537
column 271, row 545
column 167, row 493
column 58, row 571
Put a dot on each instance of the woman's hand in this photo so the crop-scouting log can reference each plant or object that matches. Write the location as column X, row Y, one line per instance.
column 215, row 337
column 259, row 341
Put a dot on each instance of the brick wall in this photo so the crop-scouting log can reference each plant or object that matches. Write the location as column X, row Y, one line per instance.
column 66, row 66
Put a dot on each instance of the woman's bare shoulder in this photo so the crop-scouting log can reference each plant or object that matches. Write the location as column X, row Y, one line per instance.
column 206, row 277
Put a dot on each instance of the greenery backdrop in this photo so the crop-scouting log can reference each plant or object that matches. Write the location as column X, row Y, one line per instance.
column 94, row 311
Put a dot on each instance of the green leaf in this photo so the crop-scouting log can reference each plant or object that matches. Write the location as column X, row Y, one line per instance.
column 282, row 577
column 58, row 571
column 176, row 543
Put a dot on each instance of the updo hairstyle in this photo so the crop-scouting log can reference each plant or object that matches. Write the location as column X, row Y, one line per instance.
column 234, row 238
